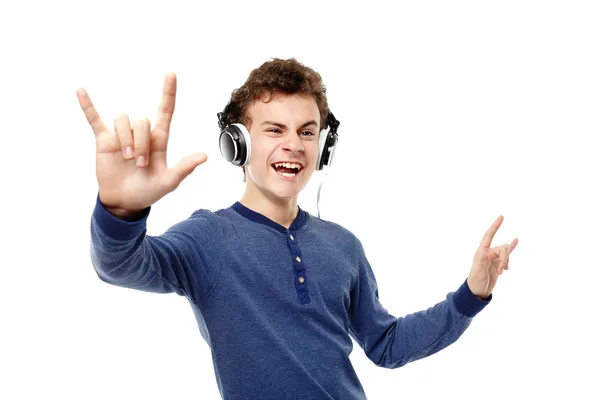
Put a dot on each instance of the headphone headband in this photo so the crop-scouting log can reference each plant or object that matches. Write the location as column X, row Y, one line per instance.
column 223, row 116
column 332, row 122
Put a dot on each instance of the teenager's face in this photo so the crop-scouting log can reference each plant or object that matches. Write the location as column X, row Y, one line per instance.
column 285, row 129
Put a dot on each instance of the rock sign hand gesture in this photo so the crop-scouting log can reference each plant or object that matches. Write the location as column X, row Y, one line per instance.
column 131, row 164
column 489, row 263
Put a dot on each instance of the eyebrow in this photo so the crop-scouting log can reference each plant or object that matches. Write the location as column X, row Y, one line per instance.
column 283, row 126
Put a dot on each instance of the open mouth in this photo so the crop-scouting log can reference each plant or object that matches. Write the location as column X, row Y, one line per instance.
column 287, row 170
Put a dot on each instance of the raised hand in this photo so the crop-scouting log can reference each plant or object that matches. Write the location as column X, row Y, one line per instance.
column 489, row 263
column 131, row 164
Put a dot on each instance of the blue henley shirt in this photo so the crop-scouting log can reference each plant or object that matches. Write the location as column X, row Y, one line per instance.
column 277, row 307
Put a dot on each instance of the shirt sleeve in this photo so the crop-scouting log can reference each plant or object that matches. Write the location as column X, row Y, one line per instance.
column 392, row 342
column 183, row 260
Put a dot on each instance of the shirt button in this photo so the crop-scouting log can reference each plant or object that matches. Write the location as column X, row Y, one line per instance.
column 292, row 237
column 298, row 259
column 301, row 279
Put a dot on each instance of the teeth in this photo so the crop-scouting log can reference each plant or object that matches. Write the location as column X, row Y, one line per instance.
column 286, row 174
column 288, row 165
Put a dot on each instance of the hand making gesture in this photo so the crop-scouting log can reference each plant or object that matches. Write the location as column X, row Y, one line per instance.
column 489, row 263
column 131, row 164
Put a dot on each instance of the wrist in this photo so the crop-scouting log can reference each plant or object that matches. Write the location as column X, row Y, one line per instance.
column 475, row 292
column 125, row 215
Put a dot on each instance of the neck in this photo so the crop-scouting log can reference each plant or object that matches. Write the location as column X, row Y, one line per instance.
column 280, row 210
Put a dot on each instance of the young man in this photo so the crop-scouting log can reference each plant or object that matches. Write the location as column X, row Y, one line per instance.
column 277, row 293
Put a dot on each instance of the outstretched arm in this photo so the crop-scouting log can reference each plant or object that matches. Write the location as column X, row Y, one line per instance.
column 185, row 259
column 393, row 342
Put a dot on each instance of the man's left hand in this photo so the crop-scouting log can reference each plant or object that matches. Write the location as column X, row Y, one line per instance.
column 489, row 263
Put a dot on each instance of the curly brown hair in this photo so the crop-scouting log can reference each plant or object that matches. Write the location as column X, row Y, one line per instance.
column 277, row 76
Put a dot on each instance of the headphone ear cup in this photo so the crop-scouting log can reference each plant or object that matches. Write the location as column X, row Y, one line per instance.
column 235, row 144
column 327, row 142
column 322, row 138
column 332, row 144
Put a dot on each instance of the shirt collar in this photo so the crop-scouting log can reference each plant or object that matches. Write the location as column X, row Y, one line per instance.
column 252, row 215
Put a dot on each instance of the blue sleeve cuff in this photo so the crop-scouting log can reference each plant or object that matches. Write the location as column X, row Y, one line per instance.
column 117, row 228
column 467, row 303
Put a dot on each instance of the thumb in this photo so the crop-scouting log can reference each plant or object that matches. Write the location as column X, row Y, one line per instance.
column 184, row 168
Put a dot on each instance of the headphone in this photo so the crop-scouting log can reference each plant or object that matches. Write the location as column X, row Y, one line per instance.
column 235, row 146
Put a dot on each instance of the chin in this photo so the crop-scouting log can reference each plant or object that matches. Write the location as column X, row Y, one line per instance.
column 272, row 185
column 285, row 189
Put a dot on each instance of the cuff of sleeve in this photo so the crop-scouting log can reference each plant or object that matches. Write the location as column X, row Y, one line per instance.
column 117, row 228
column 467, row 303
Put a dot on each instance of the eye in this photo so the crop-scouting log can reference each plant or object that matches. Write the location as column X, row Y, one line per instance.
column 274, row 130
column 309, row 133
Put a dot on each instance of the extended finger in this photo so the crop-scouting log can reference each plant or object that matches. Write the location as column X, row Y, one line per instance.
column 489, row 235
column 503, row 258
column 167, row 103
column 123, row 130
column 90, row 112
column 514, row 244
column 141, row 141
column 510, row 249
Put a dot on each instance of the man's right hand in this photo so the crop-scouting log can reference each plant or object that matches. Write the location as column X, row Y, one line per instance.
column 131, row 164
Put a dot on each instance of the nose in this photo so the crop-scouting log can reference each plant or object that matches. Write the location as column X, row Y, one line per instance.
column 293, row 143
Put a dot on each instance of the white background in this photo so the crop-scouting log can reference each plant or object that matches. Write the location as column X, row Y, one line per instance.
column 452, row 113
